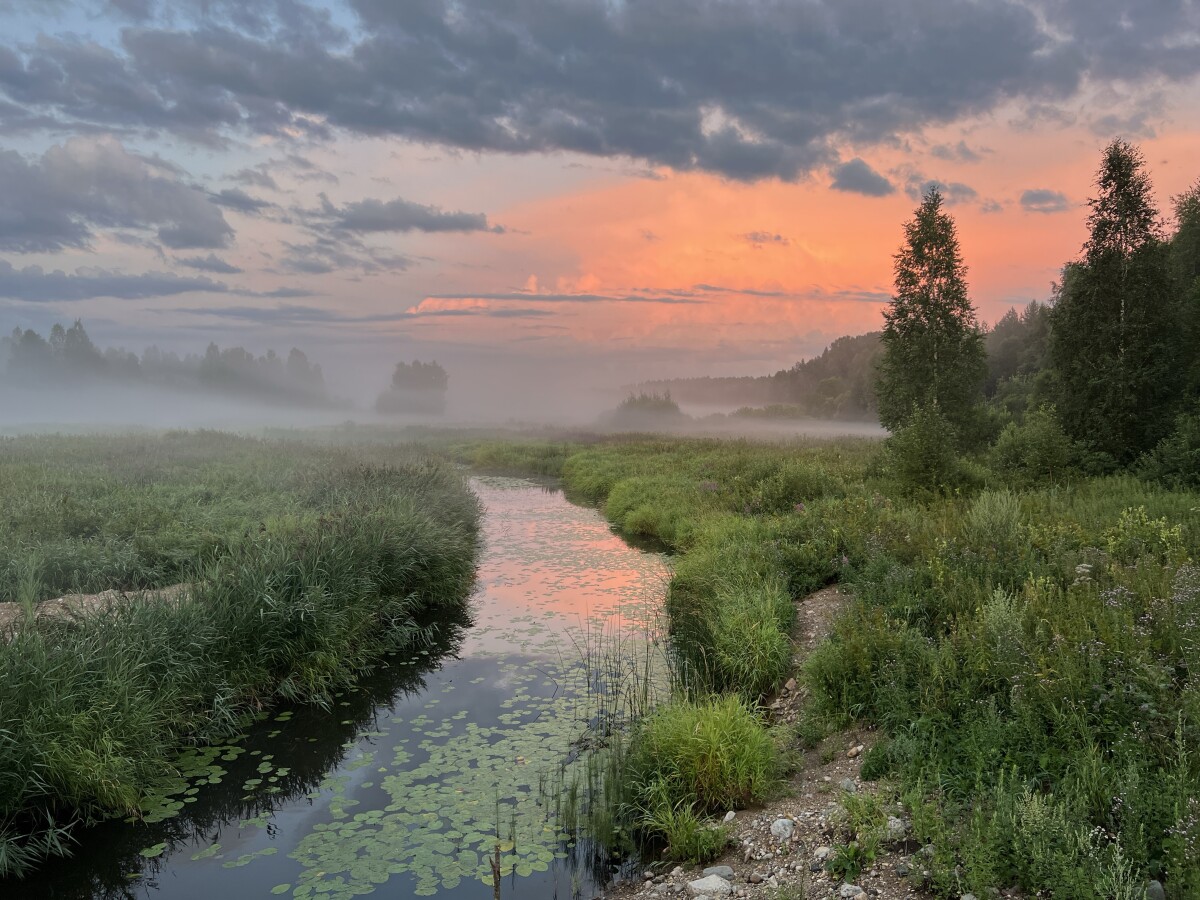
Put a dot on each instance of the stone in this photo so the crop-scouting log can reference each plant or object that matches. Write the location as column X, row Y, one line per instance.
column 667, row 889
column 710, row 886
column 854, row 751
column 822, row 852
column 846, row 891
column 848, row 785
column 896, row 829
column 756, row 878
column 790, row 686
column 1154, row 891
column 968, row 897
column 723, row 871
column 781, row 829
column 902, row 868
column 729, row 817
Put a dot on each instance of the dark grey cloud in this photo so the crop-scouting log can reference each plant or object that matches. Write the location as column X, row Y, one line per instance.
column 1044, row 200
column 256, row 177
column 765, row 238
column 33, row 284
column 137, row 10
column 237, row 199
column 371, row 215
column 857, row 177
column 292, row 314
column 59, row 199
column 332, row 252
column 749, row 89
column 570, row 298
column 959, row 152
column 210, row 263
column 916, row 186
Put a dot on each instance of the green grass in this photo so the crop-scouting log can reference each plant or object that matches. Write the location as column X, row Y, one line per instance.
column 306, row 565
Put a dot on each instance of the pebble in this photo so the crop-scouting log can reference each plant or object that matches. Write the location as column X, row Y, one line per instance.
column 854, row 751
column 848, row 785
column 896, row 829
column 1154, row 891
column 846, row 891
column 721, row 871
column 729, row 817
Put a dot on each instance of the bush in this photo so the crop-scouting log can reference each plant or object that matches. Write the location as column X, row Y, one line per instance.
column 1036, row 450
column 921, row 455
column 1176, row 459
column 713, row 753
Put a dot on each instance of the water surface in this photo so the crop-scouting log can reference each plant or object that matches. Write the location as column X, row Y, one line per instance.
column 437, row 775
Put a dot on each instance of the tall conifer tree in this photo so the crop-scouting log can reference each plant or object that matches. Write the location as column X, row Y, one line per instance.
column 933, row 347
column 1115, row 338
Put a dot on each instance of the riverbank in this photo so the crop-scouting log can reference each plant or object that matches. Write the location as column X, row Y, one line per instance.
column 305, row 566
column 1028, row 654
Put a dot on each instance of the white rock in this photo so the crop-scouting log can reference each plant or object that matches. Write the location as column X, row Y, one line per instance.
column 846, row 891
column 729, row 817
column 896, row 829
column 822, row 852
column 710, row 886
column 720, row 871
column 781, row 829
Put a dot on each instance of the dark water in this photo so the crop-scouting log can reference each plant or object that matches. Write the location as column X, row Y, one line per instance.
column 412, row 782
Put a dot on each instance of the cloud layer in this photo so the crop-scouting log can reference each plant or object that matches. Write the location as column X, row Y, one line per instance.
column 748, row 89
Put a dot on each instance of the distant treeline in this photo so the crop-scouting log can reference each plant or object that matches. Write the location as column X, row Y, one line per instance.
column 840, row 383
column 417, row 388
column 837, row 384
column 67, row 358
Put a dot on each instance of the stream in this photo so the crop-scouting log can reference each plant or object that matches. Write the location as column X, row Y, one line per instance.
column 441, row 773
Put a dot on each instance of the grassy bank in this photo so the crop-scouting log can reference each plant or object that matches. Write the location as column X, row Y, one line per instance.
column 1031, row 653
column 304, row 566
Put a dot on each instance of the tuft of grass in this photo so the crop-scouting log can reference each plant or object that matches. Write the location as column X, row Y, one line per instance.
column 715, row 754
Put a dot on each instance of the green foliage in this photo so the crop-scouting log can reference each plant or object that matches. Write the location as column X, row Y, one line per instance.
column 1176, row 459
column 1114, row 342
column 645, row 412
column 933, row 347
column 715, row 754
column 922, row 456
column 1017, row 345
column 291, row 606
column 1037, row 450
column 674, row 821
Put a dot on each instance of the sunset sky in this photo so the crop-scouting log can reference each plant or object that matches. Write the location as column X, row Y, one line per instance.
column 632, row 188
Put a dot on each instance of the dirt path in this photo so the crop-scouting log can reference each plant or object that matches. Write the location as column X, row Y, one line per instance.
column 779, row 850
column 74, row 606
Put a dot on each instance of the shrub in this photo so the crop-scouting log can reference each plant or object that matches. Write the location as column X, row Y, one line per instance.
column 1036, row 450
column 714, row 753
column 1176, row 459
column 921, row 455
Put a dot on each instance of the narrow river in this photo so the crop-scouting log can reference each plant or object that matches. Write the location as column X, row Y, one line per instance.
column 434, row 768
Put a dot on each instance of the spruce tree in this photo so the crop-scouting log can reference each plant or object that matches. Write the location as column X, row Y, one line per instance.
column 1115, row 337
column 933, row 347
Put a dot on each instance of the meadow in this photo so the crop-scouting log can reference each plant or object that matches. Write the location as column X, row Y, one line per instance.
column 293, row 569
column 1028, row 649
